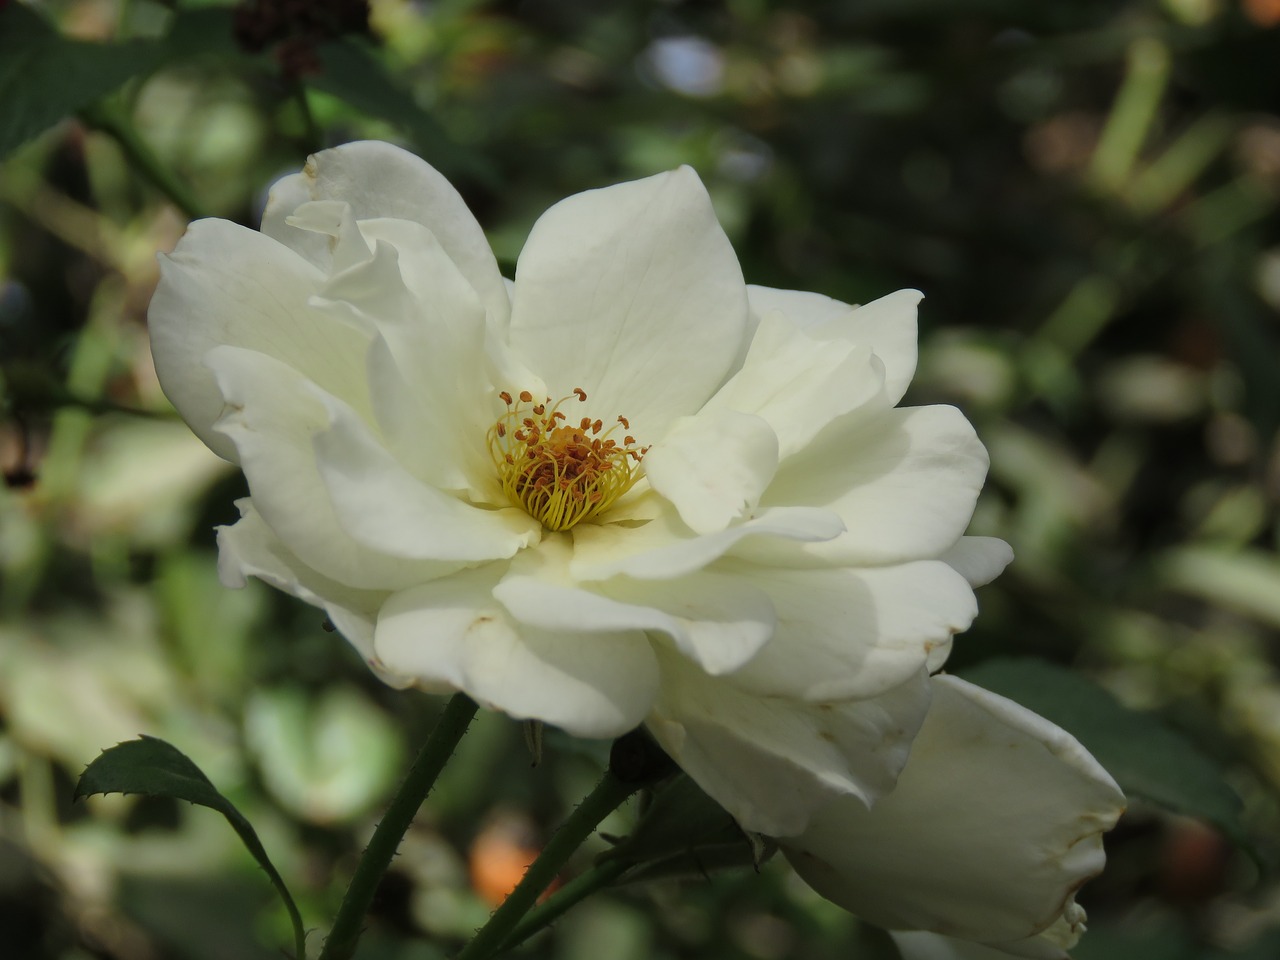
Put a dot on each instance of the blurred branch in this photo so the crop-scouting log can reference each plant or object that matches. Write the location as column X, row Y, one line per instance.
column 27, row 388
column 111, row 121
column 1219, row 214
column 1173, row 172
column 1132, row 114
column 72, row 222
column 310, row 129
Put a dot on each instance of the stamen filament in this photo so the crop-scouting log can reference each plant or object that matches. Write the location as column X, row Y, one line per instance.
column 560, row 474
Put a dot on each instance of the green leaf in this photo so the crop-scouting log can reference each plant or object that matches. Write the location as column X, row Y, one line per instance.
column 683, row 832
column 45, row 76
column 1244, row 580
column 1147, row 758
column 159, row 769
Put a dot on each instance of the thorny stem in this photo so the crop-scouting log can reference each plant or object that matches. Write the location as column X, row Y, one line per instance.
column 444, row 738
column 607, row 796
column 572, row 893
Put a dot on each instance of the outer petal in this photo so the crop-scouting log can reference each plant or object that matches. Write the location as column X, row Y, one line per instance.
column 664, row 548
column 809, row 311
column 717, row 621
column 797, row 384
column 713, row 467
column 633, row 293
column 853, row 633
column 381, row 180
column 922, row 945
column 224, row 284
column 903, row 481
column 995, row 822
column 452, row 632
column 1050, row 944
column 887, row 326
column 979, row 559
column 773, row 762
column 250, row 549
column 273, row 413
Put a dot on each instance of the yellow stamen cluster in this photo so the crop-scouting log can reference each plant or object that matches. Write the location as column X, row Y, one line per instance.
column 561, row 473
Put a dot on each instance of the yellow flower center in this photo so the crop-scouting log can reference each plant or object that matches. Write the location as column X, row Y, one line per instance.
column 561, row 473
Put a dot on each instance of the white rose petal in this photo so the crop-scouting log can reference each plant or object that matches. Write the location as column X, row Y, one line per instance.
column 1050, row 944
column 847, row 634
column 774, row 762
column 633, row 293
column 378, row 180
column 454, row 633
column 904, row 482
column 887, row 326
column 715, row 619
column 225, row 285
column 798, row 384
column 978, row 559
column 713, row 467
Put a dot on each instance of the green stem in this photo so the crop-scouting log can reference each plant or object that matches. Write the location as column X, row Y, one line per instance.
column 572, row 893
column 111, row 121
column 312, row 136
column 347, row 925
column 607, row 796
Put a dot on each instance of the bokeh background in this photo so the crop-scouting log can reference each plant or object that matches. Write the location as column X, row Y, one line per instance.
column 1086, row 191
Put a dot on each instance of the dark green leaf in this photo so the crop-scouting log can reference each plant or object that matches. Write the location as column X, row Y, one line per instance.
column 45, row 77
column 1157, row 937
column 159, row 769
column 202, row 32
column 153, row 767
column 1265, row 947
column 686, row 833
column 1147, row 758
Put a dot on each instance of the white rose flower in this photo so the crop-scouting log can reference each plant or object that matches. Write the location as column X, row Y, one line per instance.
column 626, row 488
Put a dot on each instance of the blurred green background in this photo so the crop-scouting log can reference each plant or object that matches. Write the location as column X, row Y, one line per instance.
column 1085, row 190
